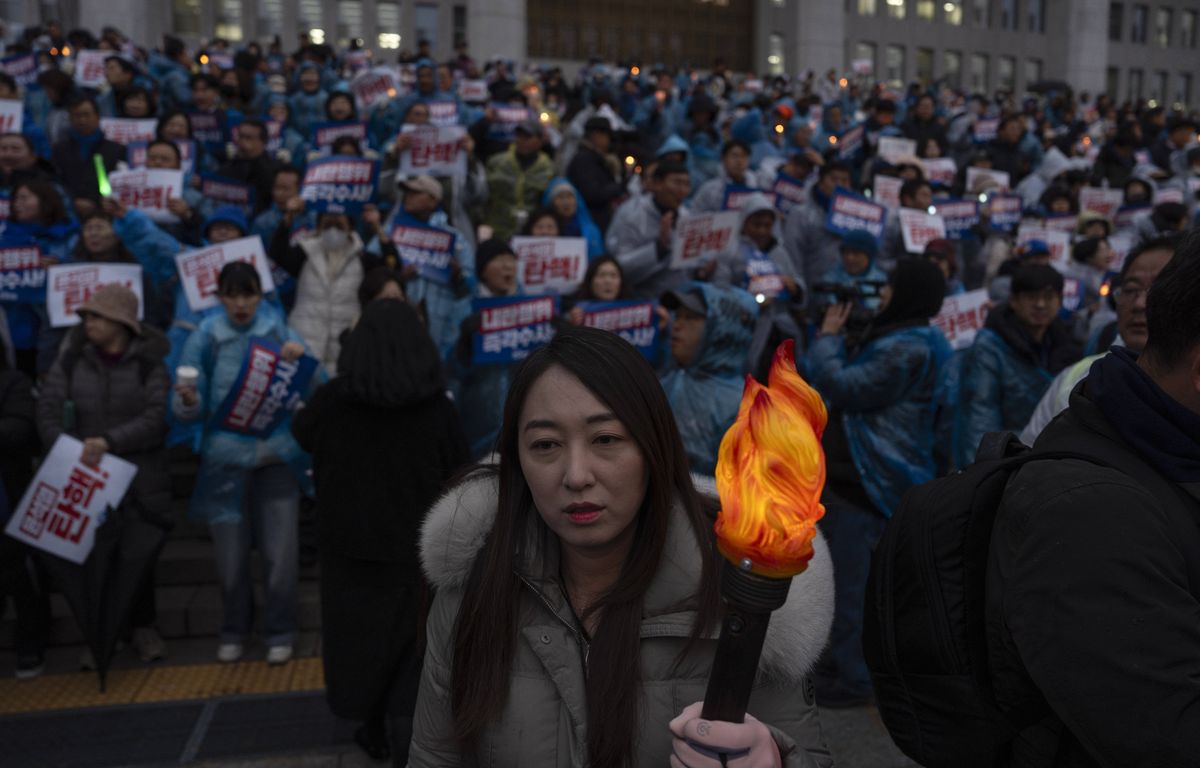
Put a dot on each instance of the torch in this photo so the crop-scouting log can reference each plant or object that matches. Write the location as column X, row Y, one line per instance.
column 770, row 472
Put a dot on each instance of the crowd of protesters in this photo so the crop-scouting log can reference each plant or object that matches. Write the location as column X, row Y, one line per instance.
column 619, row 157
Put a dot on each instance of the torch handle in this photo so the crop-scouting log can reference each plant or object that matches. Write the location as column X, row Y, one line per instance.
column 735, row 665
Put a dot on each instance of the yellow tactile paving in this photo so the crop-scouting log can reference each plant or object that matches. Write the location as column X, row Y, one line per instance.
column 147, row 686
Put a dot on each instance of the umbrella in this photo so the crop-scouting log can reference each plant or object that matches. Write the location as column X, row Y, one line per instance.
column 101, row 590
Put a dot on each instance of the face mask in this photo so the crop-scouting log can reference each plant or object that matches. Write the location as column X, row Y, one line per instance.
column 334, row 239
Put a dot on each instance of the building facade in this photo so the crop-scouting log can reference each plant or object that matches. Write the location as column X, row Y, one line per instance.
column 1146, row 50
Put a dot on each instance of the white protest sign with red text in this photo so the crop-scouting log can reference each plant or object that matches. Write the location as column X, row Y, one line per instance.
column 887, row 191
column 373, row 86
column 976, row 175
column 12, row 115
column 69, row 286
column 433, row 151
column 67, row 500
column 89, row 68
column 920, row 228
column 1058, row 242
column 198, row 269
column 893, row 148
column 126, row 130
column 704, row 236
column 1102, row 201
column 550, row 264
column 962, row 316
column 940, row 170
column 148, row 190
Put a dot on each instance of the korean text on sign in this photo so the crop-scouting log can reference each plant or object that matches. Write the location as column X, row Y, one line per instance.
column 634, row 321
column 11, row 115
column 961, row 317
column 148, row 190
column 433, row 151
column 429, row 249
column 960, row 217
column 126, row 130
column 324, row 134
column 550, row 264
column 340, row 184
column 198, row 269
column 789, row 192
column 70, row 286
column 920, row 228
column 267, row 388
column 22, row 277
column 512, row 327
column 849, row 212
column 223, row 191
column 67, row 500
column 703, row 237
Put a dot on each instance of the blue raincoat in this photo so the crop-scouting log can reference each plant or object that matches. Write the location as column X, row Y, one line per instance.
column 705, row 395
column 26, row 321
column 885, row 395
column 581, row 224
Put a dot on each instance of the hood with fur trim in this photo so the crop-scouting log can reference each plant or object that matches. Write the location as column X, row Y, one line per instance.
column 457, row 526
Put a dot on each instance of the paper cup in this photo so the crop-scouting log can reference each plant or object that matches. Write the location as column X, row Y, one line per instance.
column 186, row 376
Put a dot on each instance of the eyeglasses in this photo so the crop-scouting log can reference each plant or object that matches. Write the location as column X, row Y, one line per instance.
column 1129, row 292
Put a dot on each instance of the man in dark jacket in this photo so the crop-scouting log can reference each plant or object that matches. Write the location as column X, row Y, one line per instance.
column 252, row 165
column 923, row 127
column 592, row 171
column 1094, row 569
column 1005, row 150
column 73, row 155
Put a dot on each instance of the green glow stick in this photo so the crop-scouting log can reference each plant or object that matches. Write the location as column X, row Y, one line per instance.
column 101, row 176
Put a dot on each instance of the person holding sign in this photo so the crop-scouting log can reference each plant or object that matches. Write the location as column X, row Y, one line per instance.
column 108, row 388
column 248, row 487
column 735, row 182
column 813, row 248
column 73, row 156
column 252, row 164
column 642, row 232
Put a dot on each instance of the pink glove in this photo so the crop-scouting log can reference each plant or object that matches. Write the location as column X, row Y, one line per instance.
column 700, row 743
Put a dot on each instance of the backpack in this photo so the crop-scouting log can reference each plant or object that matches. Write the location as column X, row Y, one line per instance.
column 923, row 632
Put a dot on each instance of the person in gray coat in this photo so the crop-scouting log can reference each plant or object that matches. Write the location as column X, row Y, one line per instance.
column 108, row 388
column 814, row 249
column 641, row 232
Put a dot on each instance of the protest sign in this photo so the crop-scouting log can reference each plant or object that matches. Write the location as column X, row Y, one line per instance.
column 1005, row 211
column 222, row 191
column 124, row 130
column 433, row 151
column 1102, row 201
column 22, row 276
column 763, row 279
column 550, row 264
column 704, row 236
column 862, row 66
column 207, row 127
column 68, row 499
column 427, row 248
column 69, row 286
column 1072, row 297
column 789, row 192
column 959, row 216
column 357, row 60
column 985, row 130
column 473, row 91
column 324, row 134
column 12, row 115
column 1128, row 215
column 634, row 321
column 978, row 180
column 1168, row 195
column 218, row 60
column 148, row 190
column 443, row 112
column 340, row 184
column 22, row 67
column 266, row 389
column 849, row 212
column 1059, row 244
column 736, row 196
column 372, row 87
column 850, row 143
column 135, row 151
column 198, row 269
column 961, row 317
column 940, row 171
column 893, row 148
column 1065, row 222
column 89, row 68
column 886, row 191
column 920, row 228
column 505, row 119
column 511, row 327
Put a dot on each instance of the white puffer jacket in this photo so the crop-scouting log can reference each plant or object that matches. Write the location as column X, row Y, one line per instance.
column 327, row 296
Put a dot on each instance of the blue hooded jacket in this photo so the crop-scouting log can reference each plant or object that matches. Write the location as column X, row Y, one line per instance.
column 581, row 224
column 706, row 393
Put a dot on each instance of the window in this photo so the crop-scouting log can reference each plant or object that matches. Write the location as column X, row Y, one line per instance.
column 867, row 8
column 979, row 72
column 953, row 13
column 1184, row 91
column 349, row 21
column 896, row 9
column 981, row 14
column 1162, row 27
column 1033, row 71
column 1006, row 73
column 894, row 66
column 1138, row 33
column 1036, row 11
column 1009, row 17
column 229, row 20
column 187, row 17
column 1158, row 88
column 1112, row 82
column 1134, row 92
column 865, row 52
column 925, row 10
column 427, row 23
column 925, row 65
column 1116, row 21
column 387, row 14
column 270, row 18
column 775, row 62
column 952, row 68
column 460, row 23
column 310, row 14
column 1187, row 29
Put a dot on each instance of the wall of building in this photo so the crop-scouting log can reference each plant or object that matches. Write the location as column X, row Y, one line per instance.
column 1176, row 60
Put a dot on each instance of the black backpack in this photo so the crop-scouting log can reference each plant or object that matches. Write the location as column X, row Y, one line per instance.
column 923, row 631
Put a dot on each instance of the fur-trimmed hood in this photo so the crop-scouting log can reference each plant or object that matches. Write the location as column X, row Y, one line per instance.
column 458, row 524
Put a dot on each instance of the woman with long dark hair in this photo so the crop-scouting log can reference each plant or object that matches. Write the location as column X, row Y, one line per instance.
column 577, row 600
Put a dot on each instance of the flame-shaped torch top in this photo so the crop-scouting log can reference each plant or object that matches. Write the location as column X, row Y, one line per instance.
column 770, row 473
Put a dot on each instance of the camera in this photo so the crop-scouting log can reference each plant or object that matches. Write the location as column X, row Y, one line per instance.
column 860, row 295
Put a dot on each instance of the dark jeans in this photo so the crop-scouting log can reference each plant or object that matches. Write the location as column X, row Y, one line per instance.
column 852, row 532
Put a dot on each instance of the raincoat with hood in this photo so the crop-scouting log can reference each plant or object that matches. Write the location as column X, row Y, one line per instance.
column 306, row 109
column 26, row 322
column 705, row 394
column 579, row 225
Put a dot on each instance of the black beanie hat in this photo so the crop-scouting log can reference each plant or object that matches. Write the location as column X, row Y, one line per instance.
column 488, row 250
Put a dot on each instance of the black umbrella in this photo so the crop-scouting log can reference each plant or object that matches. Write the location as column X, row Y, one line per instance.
column 101, row 590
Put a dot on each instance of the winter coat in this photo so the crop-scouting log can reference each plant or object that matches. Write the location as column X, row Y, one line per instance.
column 217, row 349
column 814, row 249
column 1003, row 379
column 705, row 395
column 306, row 110
column 544, row 723
column 77, row 169
column 922, row 131
column 867, row 282
column 710, row 197
column 26, row 322
column 597, row 183
column 885, row 396
column 259, row 173
column 513, row 188
column 1093, row 588
column 326, row 295
column 579, row 225
column 633, row 240
column 126, row 404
